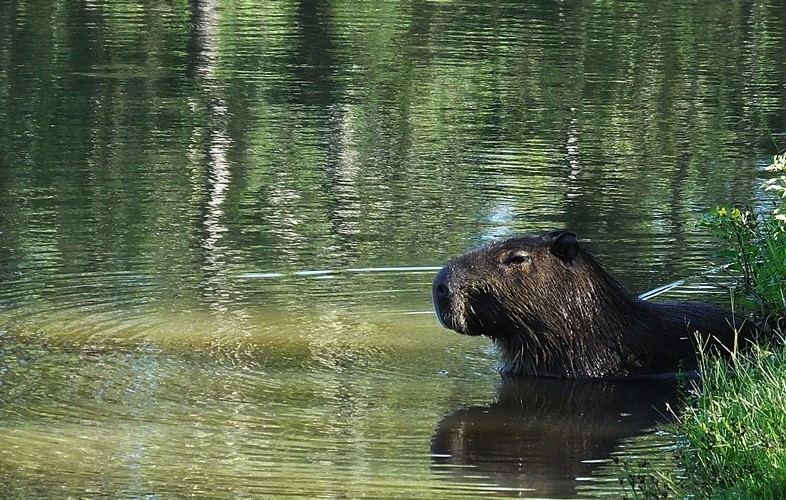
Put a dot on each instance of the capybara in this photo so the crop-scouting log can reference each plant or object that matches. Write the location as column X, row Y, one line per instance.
column 553, row 311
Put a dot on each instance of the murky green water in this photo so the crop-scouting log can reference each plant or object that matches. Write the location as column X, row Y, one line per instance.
column 219, row 223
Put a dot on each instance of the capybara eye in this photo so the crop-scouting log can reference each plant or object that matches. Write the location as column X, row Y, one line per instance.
column 517, row 257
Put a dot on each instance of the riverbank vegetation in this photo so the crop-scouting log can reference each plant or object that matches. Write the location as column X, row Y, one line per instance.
column 755, row 248
column 731, row 432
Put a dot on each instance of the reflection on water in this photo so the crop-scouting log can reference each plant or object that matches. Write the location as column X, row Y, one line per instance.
column 544, row 438
column 219, row 224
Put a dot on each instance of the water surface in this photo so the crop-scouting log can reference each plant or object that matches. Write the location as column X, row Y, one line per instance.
column 219, row 224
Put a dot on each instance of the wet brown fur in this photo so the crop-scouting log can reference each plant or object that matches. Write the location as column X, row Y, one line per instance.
column 554, row 311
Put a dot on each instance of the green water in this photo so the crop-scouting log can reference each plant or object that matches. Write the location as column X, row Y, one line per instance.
column 219, row 224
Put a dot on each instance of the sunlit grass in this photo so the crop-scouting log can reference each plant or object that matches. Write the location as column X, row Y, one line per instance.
column 730, row 435
column 734, row 428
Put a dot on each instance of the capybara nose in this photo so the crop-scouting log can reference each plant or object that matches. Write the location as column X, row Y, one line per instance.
column 440, row 290
column 440, row 295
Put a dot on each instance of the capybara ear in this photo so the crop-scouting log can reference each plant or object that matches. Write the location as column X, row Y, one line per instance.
column 565, row 246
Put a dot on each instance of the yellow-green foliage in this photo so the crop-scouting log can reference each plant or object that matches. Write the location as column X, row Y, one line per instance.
column 734, row 426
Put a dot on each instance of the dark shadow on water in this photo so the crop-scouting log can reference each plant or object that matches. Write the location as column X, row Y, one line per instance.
column 540, row 435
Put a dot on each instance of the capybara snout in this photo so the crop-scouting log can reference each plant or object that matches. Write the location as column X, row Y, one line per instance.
column 554, row 311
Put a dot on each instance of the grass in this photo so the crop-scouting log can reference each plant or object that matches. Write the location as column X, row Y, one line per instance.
column 733, row 429
column 730, row 435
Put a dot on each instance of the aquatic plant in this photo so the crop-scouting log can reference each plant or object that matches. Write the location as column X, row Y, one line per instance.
column 733, row 428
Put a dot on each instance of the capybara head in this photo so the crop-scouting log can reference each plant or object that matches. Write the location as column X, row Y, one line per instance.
column 554, row 311
column 522, row 281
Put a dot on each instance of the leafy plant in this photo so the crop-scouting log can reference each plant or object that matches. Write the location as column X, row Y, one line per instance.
column 755, row 247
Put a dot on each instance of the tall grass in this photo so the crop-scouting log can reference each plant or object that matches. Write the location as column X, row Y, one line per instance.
column 733, row 429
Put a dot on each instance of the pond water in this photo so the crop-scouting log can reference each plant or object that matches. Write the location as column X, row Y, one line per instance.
column 219, row 224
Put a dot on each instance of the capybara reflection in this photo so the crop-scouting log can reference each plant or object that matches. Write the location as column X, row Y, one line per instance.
column 553, row 311
column 539, row 435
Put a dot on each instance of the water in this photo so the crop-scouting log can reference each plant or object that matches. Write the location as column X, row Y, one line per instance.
column 219, row 223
